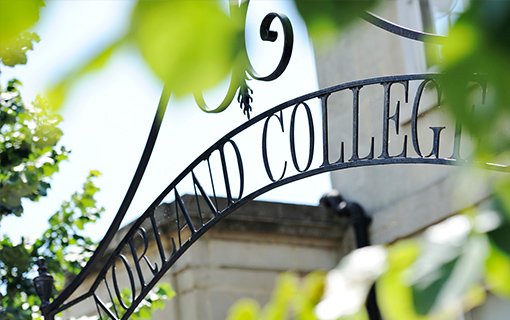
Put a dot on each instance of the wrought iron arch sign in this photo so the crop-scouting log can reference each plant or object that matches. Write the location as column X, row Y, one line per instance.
column 227, row 156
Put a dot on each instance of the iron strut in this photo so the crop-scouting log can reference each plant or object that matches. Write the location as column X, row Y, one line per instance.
column 360, row 222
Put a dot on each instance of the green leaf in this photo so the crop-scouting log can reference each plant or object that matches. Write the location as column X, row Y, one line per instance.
column 392, row 286
column 16, row 16
column 31, row 155
column 426, row 291
column 500, row 237
column 189, row 45
column 144, row 313
column 477, row 45
column 309, row 295
column 502, row 190
column 497, row 274
column 16, row 51
column 245, row 309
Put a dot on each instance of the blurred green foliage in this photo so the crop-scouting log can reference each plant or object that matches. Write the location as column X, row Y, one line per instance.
column 478, row 43
column 435, row 276
column 16, row 17
column 190, row 45
column 293, row 298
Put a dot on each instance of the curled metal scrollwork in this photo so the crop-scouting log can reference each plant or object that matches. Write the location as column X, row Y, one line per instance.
column 268, row 35
column 243, row 70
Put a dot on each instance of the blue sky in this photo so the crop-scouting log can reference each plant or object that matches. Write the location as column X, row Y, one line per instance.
column 108, row 114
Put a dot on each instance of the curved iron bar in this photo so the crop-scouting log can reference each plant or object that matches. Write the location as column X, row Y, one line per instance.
column 128, row 198
column 234, row 204
column 402, row 31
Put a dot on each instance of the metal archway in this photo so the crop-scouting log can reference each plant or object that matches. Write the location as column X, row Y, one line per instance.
column 227, row 153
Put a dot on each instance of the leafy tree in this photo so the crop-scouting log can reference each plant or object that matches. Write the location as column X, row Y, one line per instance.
column 66, row 250
column 29, row 151
column 62, row 245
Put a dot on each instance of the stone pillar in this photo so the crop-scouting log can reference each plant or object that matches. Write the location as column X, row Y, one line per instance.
column 402, row 199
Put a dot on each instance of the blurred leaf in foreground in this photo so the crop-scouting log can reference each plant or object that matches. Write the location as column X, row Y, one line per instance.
column 16, row 17
column 293, row 298
column 190, row 45
column 498, row 272
column 16, row 51
column 478, row 44
column 438, row 276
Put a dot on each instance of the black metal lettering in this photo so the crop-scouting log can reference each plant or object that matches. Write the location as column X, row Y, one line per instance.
column 325, row 133
column 355, row 129
column 101, row 305
column 179, row 204
column 435, row 146
column 154, row 269
column 342, row 150
column 111, row 297
column 414, row 116
column 116, row 283
column 212, row 182
column 174, row 247
column 99, row 314
column 204, row 195
column 311, row 133
column 157, row 237
column 395, row 118
column 264, row 147
column 225, row 171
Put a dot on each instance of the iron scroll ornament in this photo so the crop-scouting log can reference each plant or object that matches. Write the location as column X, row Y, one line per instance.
column 244, row 71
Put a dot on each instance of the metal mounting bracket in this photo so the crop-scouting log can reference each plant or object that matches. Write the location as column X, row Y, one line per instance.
column 360, row 222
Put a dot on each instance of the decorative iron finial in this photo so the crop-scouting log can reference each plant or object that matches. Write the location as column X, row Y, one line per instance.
column 43, row 283
column 244, row 71
column 244, row 98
